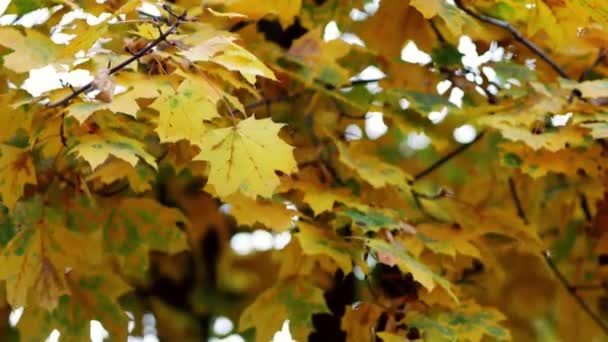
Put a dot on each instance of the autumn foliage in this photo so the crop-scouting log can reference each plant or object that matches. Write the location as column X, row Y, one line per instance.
column 201, row 122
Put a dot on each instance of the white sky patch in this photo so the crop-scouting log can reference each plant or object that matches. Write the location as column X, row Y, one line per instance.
column 97, row 332
column 222, row 325
column 374, row 125
column 456, row 96
column 358, row 15
column 331, row 31
column 358, row 272
column 149, row 8
column 242, row 243
column 438, row 116
column 262, row 240
column 33, row 18
column 443, row 86
column 47, row 78
column 53, row 336
column 411, row 54
column 465, row 134
column 4, row 5
column 281, row 240
column 418, row 141
column 352, row 39
column 404, row 103
column 490, row 74
column 472, row 60
column 353, row 132
column 225, row 208
column 15, row 316
column 283, row 335
column 560, row 120
column 371, row 72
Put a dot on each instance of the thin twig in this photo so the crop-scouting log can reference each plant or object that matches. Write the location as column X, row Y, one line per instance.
column 446, row 158
column 516, row 34
column 122, row 65
column 572, row 290
column 601, row 56
column 585, row 207
column 520, row 209
column 602, row 286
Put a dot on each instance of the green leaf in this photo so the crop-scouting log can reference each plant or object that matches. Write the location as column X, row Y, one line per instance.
column 371, row 220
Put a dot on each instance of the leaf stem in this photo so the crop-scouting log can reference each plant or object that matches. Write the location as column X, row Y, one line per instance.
column 446, row 158
column 572, row 290
column 520, row 210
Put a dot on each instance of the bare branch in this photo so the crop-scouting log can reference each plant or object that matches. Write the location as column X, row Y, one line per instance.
column 520, row 210
column 516, row 34
column 572, row 290
column 117, row 68
column 601, row 56
column 446, row 158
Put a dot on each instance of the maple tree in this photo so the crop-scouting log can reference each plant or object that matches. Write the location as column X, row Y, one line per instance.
column 210, row 119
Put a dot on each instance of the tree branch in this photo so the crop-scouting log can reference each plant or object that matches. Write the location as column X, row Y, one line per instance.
column 572, row 290
column 446, row 158
column 117, row 68
column 601, row 56
column 520, row 210
column 516, row 34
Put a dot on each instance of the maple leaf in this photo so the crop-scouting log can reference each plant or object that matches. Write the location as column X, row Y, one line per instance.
column 469, row 322
column 244, row 157
column 358, row 318
column 30, row 51
column 285, row 10
column 315, row 241
column 37, row 258
column 222, row 50
column 16, row 170
column 295, row 300
column 408, row 263
column 371, row 169
column 93, row 295
column 248, row 211
column 136, row 225
column 96, row 148
column 139, row 177
column 181, row 114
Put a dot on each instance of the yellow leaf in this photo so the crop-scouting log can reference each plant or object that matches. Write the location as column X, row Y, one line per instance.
column 315, row 241
column 589, row 89
column 222, row 50
column 138, row 86
column 296, row 300
column 137, row 225
column 359, row 321
column 285, row 10
column 95, row 149
column 139, row 177
column 245, row 157
column 371, row 169
column 30, row 51
column 16, row 170
column 94, row 295
column 407, row 263
column 181, row 113
column 567, row 161
column 36, row 259
column 249, row 211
